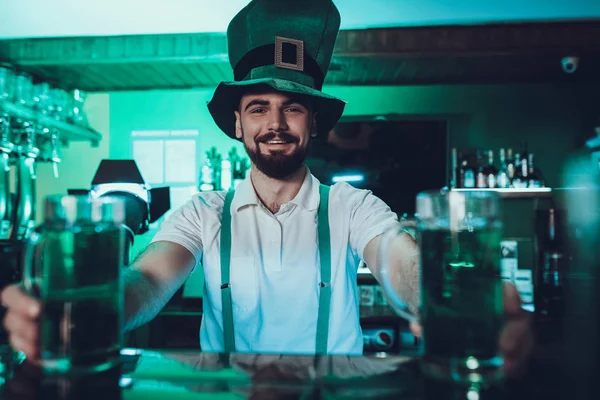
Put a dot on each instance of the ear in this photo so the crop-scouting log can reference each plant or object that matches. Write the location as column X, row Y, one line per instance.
column 313, row 126
column 238, row 125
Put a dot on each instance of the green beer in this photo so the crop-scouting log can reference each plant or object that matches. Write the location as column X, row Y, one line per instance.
column 73, row 266
column 461, row 296
column 81, row 321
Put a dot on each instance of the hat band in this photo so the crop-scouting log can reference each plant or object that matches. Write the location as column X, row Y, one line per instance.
column 265, row 55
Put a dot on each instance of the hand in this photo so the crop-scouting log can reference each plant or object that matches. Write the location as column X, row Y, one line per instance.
column 516, row 339
column 21, row 321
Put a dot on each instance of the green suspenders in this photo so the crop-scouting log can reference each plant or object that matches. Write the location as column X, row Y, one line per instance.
column 324, row 285
column 225, row 267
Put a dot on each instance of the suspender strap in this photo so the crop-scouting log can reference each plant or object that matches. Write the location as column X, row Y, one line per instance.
column 325, row 284
column 226, row 302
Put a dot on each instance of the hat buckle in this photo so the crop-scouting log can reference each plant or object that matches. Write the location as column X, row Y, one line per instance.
column 279, row 50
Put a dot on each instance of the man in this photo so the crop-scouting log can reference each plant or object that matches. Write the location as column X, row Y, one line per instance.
column 280, row 255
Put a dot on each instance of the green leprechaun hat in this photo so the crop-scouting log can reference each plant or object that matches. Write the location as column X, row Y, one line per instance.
column 284, row 45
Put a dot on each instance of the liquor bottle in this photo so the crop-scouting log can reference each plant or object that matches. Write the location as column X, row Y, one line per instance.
column 511, row 169
column 520, row 180
column 524, row 152
column 217, row 171
column 237, row 166
column 503, row 179
column 535, row 180
column 206, row 175
column 481, row 181
column 226, row 174
column 469, row 175
column 491, row 172
column 549, row 294
column 454, row 183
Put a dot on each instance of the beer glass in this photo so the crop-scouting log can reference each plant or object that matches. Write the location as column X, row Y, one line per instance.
column 461, row 298
column 73, row 265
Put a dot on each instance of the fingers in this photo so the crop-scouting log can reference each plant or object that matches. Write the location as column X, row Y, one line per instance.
column 20, row 344
column 13, row 298
column 27, row 329
column 416, row 329
column 516, row 339
column 512, row 301
column 21, row 320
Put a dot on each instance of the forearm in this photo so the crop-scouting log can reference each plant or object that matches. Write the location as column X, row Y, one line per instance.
column 144, row 298
column 152, row 279
column 405, row 272
column 403, row 261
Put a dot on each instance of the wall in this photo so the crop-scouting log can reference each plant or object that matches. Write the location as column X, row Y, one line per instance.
column 160, row 110
column 549, row 117
column 79, row 160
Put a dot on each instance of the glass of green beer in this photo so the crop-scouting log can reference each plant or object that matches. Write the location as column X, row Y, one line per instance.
column 73, row 265
column 461, row 297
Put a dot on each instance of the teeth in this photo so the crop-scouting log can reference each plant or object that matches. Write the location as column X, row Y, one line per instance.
column 276, row 142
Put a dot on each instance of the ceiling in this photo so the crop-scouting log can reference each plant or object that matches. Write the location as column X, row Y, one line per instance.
column 528, row 52
column 56, row 18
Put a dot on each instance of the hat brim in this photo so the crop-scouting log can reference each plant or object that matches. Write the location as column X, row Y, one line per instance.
column 227, row 97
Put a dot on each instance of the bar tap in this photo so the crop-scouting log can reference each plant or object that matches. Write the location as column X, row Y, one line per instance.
column 6, row 148
column 25, row 207
column 49, row 146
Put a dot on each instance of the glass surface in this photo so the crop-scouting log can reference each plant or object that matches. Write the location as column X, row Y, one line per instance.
column 73, row 265
column 145, row 374
column 461, row 298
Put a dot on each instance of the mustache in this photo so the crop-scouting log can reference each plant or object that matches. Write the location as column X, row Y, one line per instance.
column 272, row 136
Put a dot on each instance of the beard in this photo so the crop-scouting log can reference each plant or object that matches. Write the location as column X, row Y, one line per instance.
column 276, row 164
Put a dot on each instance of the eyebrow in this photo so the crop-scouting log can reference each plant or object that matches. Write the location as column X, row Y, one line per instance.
column 263, row 102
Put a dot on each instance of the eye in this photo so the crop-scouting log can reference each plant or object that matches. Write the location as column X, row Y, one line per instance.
column 257, row 110
column 294, row 109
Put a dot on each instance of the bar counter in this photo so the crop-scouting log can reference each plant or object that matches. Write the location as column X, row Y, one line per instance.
column 147, row 374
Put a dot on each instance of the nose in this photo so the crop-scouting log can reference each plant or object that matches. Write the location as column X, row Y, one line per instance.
column 277, row 121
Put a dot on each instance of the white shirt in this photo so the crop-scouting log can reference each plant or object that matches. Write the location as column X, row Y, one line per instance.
column 275, row 266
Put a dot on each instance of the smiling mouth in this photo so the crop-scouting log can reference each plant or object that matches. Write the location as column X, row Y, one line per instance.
column 277, row 142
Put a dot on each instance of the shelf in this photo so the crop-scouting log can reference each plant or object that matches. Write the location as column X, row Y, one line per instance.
column 511, row 193
column 67, row 131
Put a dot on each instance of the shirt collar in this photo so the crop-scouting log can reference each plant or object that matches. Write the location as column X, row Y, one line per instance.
column 307, row 197
column 245, row 195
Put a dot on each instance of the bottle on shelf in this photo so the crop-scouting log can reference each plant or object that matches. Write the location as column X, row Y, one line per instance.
column 207, row 183
column 454, row 183
column 521, row 179
column 503, row 179
column 469, row 174
column 491, row 172
column 511, row 169
column 218, row 159
column 535, row 180
column 226, row 174
column 479, row 169
column 524, row 151
column 481, row 180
